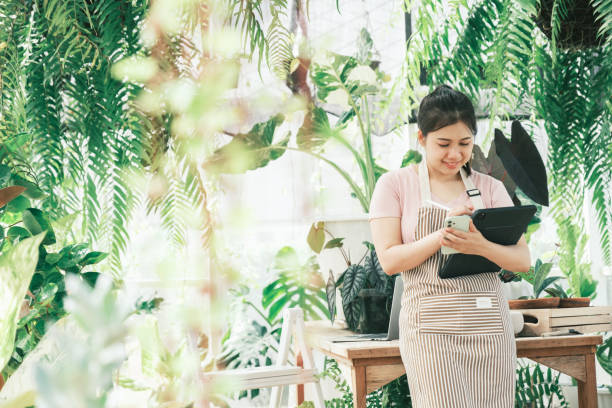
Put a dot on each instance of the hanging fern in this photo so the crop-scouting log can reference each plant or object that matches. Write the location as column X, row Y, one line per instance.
column 77, row 114
column 603, row 10
column 272, row 44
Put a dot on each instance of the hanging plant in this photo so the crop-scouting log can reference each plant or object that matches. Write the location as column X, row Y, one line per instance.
column 570, row 24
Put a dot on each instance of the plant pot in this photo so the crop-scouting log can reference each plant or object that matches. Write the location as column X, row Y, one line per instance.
column 374, row 312
column 541, row 303
column 575, row 302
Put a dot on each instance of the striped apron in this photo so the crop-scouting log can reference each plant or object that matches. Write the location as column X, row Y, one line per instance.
column 456, row 337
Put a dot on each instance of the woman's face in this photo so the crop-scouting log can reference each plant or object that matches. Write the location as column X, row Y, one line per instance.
column 449, row 148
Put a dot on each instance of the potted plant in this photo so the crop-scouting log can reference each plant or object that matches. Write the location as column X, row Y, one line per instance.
column 365, row 289
column 582, row 287
column 538, row 277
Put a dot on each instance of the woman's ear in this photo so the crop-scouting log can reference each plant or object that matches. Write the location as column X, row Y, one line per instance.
column 421, row 138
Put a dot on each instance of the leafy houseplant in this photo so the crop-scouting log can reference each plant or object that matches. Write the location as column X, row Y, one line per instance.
column 344, row 81
column 366, row 290
column 535, row 388
column 46, row 288
column 538, row 277
column 296, row 284
column 581, row 287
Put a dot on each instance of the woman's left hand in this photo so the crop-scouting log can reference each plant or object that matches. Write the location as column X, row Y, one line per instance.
column 471, row 243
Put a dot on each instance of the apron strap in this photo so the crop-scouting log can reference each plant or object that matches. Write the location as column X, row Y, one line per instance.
column 472, row 192
column 424, row 182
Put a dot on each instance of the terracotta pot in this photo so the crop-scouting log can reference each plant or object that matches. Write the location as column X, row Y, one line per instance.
column 541, row 303
column 575, row 302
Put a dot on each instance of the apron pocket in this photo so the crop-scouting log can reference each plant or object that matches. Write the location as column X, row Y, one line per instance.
column 460, row 314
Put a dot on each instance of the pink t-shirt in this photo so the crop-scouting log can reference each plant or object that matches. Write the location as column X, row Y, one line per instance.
column 397, row 194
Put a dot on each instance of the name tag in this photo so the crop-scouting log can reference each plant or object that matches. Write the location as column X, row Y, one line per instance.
column 483, row 303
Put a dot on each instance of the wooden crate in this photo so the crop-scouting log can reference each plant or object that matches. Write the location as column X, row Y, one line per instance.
column 582, row 319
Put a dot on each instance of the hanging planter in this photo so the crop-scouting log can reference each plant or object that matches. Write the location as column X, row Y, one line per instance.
column 578, row 29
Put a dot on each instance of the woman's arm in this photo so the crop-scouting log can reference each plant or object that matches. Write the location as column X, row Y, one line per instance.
column 515, row 258
column 395, row 257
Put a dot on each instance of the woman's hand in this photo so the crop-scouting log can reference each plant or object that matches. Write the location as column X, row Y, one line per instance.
column 462, row 210
column 471, row 242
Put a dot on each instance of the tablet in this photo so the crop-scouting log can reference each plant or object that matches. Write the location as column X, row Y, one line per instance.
column 502, row 225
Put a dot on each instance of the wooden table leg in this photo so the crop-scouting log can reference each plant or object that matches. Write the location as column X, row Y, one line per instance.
column 358, row 375
column 587, row 390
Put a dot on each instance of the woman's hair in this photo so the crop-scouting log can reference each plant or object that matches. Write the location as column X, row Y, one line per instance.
column 444, row 107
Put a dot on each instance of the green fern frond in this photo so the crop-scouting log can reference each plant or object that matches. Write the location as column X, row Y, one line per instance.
column 509, row 70
column 467, row 61
column 280, row 42
column 603, row 12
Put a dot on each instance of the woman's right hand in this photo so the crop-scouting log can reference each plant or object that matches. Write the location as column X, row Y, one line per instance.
column 461, row 210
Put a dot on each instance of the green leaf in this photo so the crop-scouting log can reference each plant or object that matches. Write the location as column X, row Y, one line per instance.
column 72, row 255
column 352, row 313
column 334, row 243
column 376, row 273
column 36, row 282
column 47, row 294
column 411, row 157
column 93, row 258
column 315, row 130
column 286, row 259
column 5, row 174
column 52, row 258
column 16, row 270
column 16, row 234
column 369, row 245
column 364, row 47
column 330, row 291
column 36, row 222
column 18, row 204
column 354, row 281
column 316, row 236
column 249, row 151
column 541, row 271
column 91, row 278
column 32, row 191
column 544, row 284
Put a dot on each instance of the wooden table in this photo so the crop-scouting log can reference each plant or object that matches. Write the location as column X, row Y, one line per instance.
column 372, row 364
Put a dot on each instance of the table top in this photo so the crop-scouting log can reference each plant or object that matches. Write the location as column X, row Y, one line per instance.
column 319, row 334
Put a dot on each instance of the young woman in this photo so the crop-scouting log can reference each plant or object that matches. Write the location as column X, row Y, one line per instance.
column 456, row 337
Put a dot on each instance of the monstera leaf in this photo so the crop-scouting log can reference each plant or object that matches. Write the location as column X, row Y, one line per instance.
column 523, row 162
column 249, row 151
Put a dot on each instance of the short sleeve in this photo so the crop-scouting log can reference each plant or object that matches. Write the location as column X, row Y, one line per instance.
column 385, row 198
column 499, row 195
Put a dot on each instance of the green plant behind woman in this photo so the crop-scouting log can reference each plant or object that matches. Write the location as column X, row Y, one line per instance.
column 42, row 302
